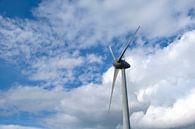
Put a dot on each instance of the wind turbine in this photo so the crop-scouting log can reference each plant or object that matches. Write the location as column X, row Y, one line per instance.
column 120, row 64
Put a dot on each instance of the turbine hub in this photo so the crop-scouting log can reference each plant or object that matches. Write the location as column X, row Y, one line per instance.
column 121, row 64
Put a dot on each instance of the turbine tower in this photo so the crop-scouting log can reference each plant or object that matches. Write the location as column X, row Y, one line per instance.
column 120, row 64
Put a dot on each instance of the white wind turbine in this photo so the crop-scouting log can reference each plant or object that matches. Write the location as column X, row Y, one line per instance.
column 120, row 64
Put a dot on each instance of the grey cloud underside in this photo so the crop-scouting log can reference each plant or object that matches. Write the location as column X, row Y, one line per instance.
column 161, row 81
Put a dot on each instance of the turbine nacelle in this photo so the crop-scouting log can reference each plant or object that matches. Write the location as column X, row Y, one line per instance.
column 122, row 64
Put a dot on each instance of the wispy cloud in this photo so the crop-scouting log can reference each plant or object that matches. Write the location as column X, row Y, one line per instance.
column 16, row 127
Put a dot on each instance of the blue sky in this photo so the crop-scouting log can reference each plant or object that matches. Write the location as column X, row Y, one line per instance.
column 56, row 70
column 15, row 9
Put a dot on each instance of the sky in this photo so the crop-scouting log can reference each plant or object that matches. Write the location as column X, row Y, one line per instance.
column 56, row 70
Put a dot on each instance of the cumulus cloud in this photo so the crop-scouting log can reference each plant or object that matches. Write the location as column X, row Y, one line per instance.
column 161, row 94
column 165, row 80
column 54, row 49
column 168, row 92
column 179, row 114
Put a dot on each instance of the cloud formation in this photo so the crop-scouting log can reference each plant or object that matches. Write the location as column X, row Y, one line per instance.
column 64, row 28
column 55, row 49
column 15, row 127
column 167, row 89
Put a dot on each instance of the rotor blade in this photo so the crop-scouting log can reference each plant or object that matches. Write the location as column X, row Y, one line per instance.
column 129, row 41
column 112, row 53
column 113, row 83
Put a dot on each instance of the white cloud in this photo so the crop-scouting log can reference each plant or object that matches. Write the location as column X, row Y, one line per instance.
column 29, row 99
column 161, row 94
column 51, row 68
column 165, row 69
column 156, row 79
column 16, row 127
column 92, row 58
column 159, row 78
column 107, row 19
column 179, row 114
column 165, row 80
column 162, row 80
column 63, row 25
